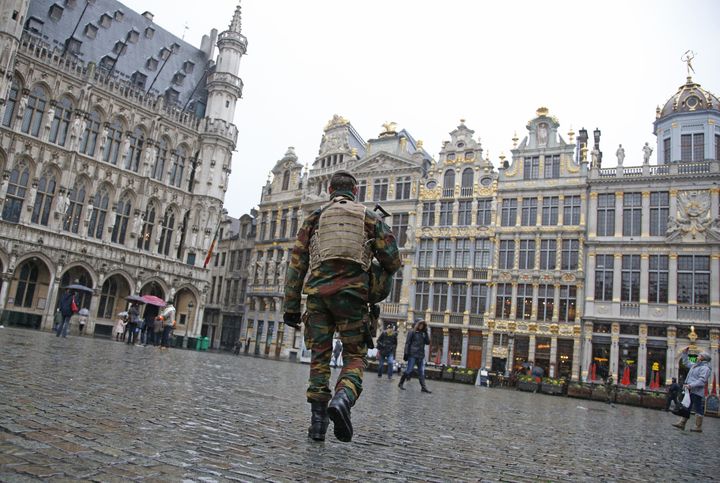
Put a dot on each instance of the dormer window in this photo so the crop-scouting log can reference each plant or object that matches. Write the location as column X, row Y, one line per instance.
column 133, row 36
column 151, row 64
column 172, row 96
column 107, row 62
column 164, row 53
column 34, row 25
column 72, row 45
column 188, row 66
column 138, row 79
column 91, row 30
column 119, row 15
column 178, row 78
column 120, row 47
column 451, row 156
column 55, row 12
column 105, row 20
column 70, row 3
column 149, row 32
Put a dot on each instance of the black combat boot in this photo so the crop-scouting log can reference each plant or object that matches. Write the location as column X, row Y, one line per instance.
column 339, row 412
column 423, row 386
column 403, row 378
column 318, row 421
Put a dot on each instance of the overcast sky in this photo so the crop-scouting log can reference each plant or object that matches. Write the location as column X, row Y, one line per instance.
column 427, row 64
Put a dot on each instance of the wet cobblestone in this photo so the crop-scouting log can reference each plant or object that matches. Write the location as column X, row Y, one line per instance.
column 82, row 408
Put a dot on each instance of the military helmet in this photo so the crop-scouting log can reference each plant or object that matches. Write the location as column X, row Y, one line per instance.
column 380, row 283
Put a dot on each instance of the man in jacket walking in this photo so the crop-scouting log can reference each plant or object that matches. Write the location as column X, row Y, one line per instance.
column 415, row 344
column 386, row 345
column 66, row 310
column 337, row 244
column 695, row 381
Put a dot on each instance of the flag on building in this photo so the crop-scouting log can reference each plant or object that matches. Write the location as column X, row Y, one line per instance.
column 208, row 257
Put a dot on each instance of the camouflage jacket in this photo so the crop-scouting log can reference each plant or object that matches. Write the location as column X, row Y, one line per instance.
column 334, row 276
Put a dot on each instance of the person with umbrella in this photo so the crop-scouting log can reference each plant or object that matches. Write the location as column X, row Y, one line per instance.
column 133, row 319
column 67, row 308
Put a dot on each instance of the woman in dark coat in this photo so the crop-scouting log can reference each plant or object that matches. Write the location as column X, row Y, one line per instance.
column 415, row 344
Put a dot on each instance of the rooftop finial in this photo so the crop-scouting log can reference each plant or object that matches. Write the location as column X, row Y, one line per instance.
column 236, row 24
column 688, row 57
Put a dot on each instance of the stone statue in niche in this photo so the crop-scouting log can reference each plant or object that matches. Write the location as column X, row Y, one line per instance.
column 50, row 116
column 89, row 211
column 542, row 134
column 137, row 225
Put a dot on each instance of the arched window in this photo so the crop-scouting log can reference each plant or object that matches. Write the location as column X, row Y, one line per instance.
column 168, row 224
column 89, row 137
column 286, row 180
column 467, row 182
column 145, row 237
column 11, row 103
column 177, row 168
column 449, row 182
column 122, row 217
column 27, row 281
column 43, row 200
column 158, row 172
column 15, row 196
column 137, row 139
column 76, row 196
column 32, row 119
column 61, row 121
column 112, row 144
column 99, row 213
column 108, row 298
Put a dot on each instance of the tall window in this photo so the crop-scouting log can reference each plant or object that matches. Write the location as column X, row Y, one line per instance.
column 523, row 302
column 380, row 189
column 27, row 282
column 464, row 213
column 402, row 188
column 9, row 115
column 467, row 182
column 362, row 190
column 446, row 213
column 15, row 196
column 693, row 283
column 43, row 200
column 76, row 196
column 692, row 147
column 145, row 237
column 531, row 168
column 34, row 111
column 449, row 183
column 503, row 301
column 88, row 141
column 717, row 147
column 440, row 296
column 167, row 227
column 99, row 213
column 552, row 166
column 659, row 212
column 604, row 268
column 546, row 302
column 137, row 140
column 571, row 210
column 294, row 222
column 122, row 216
column 422, row 296
column 632, row 214
column 444, row 253
column 286, row 180
column 283, row 223
column 568, row 303
column 667, row 154
column 108, row 298
column 658, row 279
column 507, row 254
column 606, row 215
column 569, row 255
column 478, row 298
column 428, row 214
column 548, row 254
column 399, row 227
column 112, row 143
column 550, row 210
column 263, row 227
column 178, row 167
column 273, row 224
column 459, row 298
column 630, row 287
column 483, row 248
column 158, row 171
column 425, row 251
column 484, row 211
column 61, row 121
column 527, row 255
column 396, row 290
column 462, row 253
column 528, row 217
column 509, row 212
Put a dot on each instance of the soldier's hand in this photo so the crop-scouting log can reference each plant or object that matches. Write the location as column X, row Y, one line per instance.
column 292, row 319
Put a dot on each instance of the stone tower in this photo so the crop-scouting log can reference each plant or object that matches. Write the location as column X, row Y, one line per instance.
column 12, row 19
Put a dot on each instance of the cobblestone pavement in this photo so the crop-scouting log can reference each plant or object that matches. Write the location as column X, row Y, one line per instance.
column 82, row 408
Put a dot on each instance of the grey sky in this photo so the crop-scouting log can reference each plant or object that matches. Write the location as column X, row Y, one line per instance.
column 427, row 64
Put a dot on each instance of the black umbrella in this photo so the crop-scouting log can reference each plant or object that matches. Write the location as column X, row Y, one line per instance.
column 77, row 286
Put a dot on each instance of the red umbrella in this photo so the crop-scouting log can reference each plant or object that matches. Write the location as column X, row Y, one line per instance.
column 135, row 298
column 153, row 300
column 626, row 376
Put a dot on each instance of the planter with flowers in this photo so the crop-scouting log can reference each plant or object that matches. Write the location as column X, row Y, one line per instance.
column 552, row 386
column 448, row 374
column 466, row 376
column 527, row 383
column 579, row 390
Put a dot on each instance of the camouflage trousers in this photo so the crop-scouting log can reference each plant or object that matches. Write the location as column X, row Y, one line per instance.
column 325, row 315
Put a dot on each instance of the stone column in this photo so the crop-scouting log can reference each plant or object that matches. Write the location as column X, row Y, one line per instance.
column 671, row 369
column 590, row 277
column 538, row 221
column 587, row 351
column 575, row 371
column 561, row 209
column 645, row 228
column 531, row 348
column 592, row 218
column 513, row 307
column 5, row 280
column 644, row 283
column 618, row 213
column 279, row 327
column 465, row 341
column 534, row 310
column 614, row 350
column 672, row 286
column 556, row 303
column 642, row 358
column 446, row 345
column 714, row 282
column 53, row 290
column 553, row 355
column 489, row 347
column 617, row 279
column 714, row 345
column 510, row 361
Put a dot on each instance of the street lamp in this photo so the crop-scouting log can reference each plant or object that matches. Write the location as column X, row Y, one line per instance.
column 190, row 306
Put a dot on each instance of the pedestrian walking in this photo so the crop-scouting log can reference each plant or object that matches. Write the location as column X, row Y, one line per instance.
column 120, row 327
column 157, row 328
column 82, row 319
column 68, row 307
column 386, row 345
column 695, row 381
column 133, row 322
column 167, row 319
column 147, row 337
column 672, row 395
column 337, row 244
column 414, row 354
column 609, row 389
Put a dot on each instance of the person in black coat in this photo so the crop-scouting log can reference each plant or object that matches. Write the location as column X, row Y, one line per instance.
column 415, row 344
column 386, row 345
column 672, row 394
column 66, row 310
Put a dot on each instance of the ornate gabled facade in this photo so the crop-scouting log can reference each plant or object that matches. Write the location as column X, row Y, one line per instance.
column 114, row 157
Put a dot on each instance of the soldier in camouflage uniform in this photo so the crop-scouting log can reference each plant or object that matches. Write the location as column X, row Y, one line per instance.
column 337, row 243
